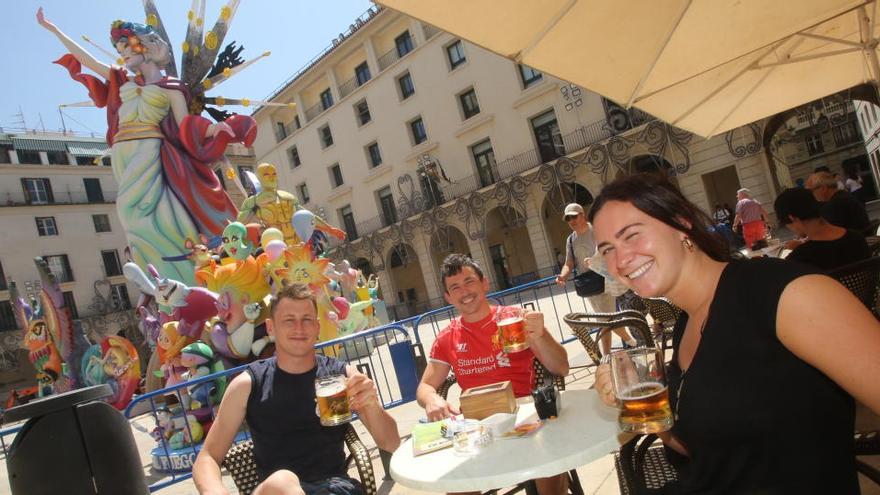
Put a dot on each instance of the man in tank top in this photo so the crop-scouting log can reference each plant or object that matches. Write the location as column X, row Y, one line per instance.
column 294, row 453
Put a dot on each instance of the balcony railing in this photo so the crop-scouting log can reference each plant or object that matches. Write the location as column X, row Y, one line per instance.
column 17, row 198
column 289, row 128
column 430, row 31
column 392, row 56
column 313, row 111
column 574, row 141
column 347, row 87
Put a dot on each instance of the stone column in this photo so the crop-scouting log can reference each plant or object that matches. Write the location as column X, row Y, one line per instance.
column 537, row 233
column 421, row 244
column 372, row 58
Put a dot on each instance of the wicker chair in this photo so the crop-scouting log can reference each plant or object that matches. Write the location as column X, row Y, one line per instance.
column 642, row 466
column 583, row 325
column 664, row 314
column 541, row 377
column 862, row 279
column 240, row 463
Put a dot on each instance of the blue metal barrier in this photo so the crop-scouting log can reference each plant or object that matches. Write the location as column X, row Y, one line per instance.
column 391, row 355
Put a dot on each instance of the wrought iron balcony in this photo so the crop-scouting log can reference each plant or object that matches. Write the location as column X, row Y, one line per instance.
column 313, row 111
column 430, row 31
column 17, row 198
column 392, row 56
column 347, row 87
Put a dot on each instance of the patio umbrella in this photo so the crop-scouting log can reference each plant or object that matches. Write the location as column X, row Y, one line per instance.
column 703, row 65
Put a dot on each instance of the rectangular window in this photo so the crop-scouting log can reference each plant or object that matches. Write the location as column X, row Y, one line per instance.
column 362, row 73
column 484, row 158
column 362, row 112
column 245, row 173
column 845, row 134
column 46, row 226
column 119, row 296
column 346, row 217
column 303, row 191
column 57, row 158
column 386, row 205
column 102, row 223
column 417, row 128
column 326, row 99
column 85, row 160
column 280, row 131
column 70, row 302
column 94, row 194
column 293, row 154
column 814, row 144
column 112, row 267
column 403, row 43
column 326, row 136
column 374, row 154
column 405, row 83
column 59, row 264
column 7, row 317
column 548, row 137
column 26, row 157
column 37, row 191
column 455, row 54
column 106, row 161
column 336, row 175
column 529, row 76
column 469, row 105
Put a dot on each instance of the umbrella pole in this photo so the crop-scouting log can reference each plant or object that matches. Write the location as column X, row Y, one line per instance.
column 866, row 26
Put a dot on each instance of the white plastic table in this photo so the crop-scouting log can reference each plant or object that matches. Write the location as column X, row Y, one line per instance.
column 585, row 430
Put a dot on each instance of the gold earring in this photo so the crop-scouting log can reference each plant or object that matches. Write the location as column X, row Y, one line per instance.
column 688, row 244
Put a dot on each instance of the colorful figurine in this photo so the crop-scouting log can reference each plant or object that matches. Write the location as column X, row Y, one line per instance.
column 199, row 359
column 161, row 149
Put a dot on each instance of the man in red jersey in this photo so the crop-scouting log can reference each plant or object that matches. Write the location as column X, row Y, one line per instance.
column 467, row 348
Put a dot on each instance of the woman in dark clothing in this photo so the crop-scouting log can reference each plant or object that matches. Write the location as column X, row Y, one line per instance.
column 763, row 401
column 821, row 244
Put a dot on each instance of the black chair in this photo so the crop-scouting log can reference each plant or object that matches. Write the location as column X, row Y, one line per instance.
column 861, row 278
column 541, row 378
column 240, row 463
column 642, row 466
column 584, row 326
column 664, row 314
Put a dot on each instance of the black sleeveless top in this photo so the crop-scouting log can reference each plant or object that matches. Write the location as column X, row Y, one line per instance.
column 756, row 418
column 284, row 424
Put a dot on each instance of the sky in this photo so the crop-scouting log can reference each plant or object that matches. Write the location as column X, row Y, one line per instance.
column 293, row 30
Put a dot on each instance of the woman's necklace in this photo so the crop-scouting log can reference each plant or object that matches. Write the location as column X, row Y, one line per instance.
column 684, row 372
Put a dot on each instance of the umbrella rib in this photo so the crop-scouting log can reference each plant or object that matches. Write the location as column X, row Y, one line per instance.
column 807, row 58
column 644, row 78
column 830, row 39
column 546, row 29
column 727, row 83
column 772, row 45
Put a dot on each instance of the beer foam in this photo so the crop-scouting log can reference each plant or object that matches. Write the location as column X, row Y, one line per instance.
column 330, row 390
column 642, row 390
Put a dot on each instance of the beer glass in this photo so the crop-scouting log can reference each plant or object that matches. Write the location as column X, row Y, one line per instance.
column 333, row 407
column 639, row 380
column 511, row 329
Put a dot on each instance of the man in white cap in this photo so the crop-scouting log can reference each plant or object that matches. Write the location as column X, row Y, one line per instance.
column 751, row 215
column 580, row 247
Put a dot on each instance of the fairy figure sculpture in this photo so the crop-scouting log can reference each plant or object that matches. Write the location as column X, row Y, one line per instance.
column 162, row 151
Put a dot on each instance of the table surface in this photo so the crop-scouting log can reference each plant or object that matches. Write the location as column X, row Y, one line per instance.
column 585, row 430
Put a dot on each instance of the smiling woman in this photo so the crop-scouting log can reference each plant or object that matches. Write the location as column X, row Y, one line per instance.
column 749, row 344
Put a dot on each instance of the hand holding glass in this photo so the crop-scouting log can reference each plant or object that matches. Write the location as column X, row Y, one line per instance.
column 333, row 405
column 639, row 380
column 511, row 329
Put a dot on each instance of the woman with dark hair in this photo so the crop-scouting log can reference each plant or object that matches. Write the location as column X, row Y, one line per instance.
column 762, row 400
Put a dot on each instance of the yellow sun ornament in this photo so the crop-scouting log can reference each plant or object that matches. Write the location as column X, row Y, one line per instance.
column 220, row 101
column 230, row 173
column 245, row 102
column 185, row 47
column 302, row 269
column 225, row 13
column 227, row 72
column 207, row 84
column 211, row 40
column 152, row 20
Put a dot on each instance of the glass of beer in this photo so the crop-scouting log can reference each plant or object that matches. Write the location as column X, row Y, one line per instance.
column 511, row 328
column 333, row 407
column 639, row 380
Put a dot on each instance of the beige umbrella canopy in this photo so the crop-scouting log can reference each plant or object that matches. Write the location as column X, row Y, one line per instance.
column 703, row 65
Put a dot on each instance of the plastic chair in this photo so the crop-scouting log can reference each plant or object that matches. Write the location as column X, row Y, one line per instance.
column 241, row 464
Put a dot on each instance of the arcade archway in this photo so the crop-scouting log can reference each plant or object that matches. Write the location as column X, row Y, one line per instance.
column 445, row 242
column 410, row 292
column 510, row 248
column 553, row 206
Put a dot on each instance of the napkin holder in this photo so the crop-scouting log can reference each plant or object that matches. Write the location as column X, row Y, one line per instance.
column 482, row 402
